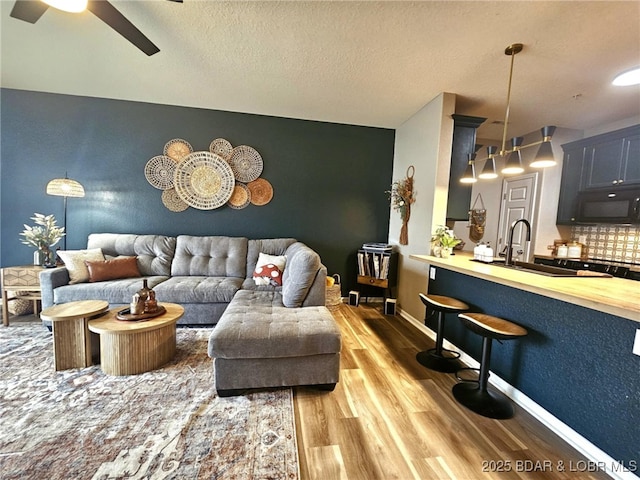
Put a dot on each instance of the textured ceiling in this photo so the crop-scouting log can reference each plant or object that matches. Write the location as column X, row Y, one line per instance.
column 362, row 63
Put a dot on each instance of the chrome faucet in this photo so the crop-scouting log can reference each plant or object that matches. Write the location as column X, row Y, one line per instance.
column 508, row 259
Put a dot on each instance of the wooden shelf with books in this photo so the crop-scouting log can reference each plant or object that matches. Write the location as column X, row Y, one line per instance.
column 378, row 268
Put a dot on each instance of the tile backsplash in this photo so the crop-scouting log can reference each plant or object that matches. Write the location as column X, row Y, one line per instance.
column 611, row 242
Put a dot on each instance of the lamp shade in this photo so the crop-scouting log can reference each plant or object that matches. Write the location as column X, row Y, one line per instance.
column 544, row 158
column 470, row 173
column 65, row 187
column 514, row 162
column 489, row 169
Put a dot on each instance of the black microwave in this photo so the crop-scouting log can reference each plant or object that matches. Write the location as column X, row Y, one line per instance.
column 610, row 205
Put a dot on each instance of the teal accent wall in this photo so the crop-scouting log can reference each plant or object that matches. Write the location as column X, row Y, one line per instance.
column 329, row 179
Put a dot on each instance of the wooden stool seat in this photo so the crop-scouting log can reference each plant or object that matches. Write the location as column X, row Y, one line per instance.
column 490, row 326
column 441, row 302
column 439, row 358
column 475, row 395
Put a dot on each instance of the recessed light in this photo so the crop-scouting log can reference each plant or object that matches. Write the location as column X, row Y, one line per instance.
column 73, row 6
column 628, row 77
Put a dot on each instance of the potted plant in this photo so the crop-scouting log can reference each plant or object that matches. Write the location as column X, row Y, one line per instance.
column 43, row 236
column 443, row 241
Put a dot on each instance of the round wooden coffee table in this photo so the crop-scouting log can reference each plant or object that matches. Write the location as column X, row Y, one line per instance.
column 71, row 339
column 132, row 347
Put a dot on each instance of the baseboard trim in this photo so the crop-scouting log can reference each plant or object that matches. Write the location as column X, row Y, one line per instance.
column 595, row 455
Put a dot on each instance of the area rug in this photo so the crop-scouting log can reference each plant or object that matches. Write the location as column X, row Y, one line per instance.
column 164, row 424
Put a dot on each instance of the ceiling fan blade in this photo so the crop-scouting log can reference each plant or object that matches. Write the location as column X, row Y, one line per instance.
column 112, row 17
column 28, row 10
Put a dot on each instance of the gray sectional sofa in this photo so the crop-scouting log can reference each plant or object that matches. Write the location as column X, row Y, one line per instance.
column 264, row 335
column 201, row 273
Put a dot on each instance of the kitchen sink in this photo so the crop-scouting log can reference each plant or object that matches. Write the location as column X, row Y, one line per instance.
column 551, row 271
column 541, row 269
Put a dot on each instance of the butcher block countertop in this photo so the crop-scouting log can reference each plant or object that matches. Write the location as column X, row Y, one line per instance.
column 616, row 296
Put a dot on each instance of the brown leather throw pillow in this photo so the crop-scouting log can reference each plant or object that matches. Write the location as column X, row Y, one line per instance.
column 120, row 267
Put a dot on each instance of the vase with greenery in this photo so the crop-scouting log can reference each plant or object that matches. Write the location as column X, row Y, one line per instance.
column 43, row 235
column 442, row 241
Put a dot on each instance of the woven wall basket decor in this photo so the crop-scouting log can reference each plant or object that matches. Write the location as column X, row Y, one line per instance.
column 177, row 149
column 221, row 147
column 246, row 163
column 172, row 201
column 159, row 172
column 204, row 180
column 261, row 192
column 241, row 196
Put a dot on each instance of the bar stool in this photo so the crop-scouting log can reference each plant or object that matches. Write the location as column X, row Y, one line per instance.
column 474, row 394
column 438, row 358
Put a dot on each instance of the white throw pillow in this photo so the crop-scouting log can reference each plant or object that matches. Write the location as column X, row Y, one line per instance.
column 269, row 269
column 74, row 261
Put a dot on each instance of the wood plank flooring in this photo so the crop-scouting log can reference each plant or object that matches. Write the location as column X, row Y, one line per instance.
column 391, row 418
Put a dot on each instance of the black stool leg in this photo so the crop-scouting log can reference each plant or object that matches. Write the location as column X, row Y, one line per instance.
column 477, row 397
column 435, row 358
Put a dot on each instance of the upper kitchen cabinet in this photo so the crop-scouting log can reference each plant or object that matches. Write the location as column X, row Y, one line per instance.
column 572, row 164
column 603, row 161
column 464, row 142
column 612, row 159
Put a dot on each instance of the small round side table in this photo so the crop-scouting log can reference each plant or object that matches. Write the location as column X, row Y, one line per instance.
column 71, row 336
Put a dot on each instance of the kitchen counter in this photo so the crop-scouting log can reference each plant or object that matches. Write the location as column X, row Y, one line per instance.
column 615, row 296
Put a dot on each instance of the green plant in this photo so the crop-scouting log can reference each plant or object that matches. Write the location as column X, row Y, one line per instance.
column 444, row 237
column 44, row 234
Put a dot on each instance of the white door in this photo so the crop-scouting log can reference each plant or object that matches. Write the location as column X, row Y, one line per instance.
column 518, row 201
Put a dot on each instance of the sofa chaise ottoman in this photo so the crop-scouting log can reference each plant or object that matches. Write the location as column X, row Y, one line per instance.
column 261, row 343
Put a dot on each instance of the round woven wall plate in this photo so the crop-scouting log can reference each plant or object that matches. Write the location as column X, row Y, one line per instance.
column 172, row 201
column 204, row 180
column 241, row 197
column 177, row 149
column 246, row 163
column 221, row 147
column 261, row 191
column 159, row 172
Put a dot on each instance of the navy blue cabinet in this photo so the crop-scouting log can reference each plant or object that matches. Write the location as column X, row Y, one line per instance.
column 609, row 160
column 464, row 142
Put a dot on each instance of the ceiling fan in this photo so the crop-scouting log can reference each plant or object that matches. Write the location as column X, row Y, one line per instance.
column 31, row 10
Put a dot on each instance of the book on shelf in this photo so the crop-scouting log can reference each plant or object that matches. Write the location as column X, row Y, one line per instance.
column 373, row 264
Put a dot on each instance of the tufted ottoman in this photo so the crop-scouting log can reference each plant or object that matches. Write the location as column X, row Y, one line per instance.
column 260, row 343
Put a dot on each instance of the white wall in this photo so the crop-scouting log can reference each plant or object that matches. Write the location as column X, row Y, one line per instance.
column 423, row 141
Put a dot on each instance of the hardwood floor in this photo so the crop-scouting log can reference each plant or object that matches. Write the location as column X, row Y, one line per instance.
column 390, row 417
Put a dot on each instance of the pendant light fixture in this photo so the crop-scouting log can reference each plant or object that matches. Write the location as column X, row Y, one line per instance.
column 489, row 169
column 513, row 164
column 514, row 161
column 544, row 158
column 470, row 173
